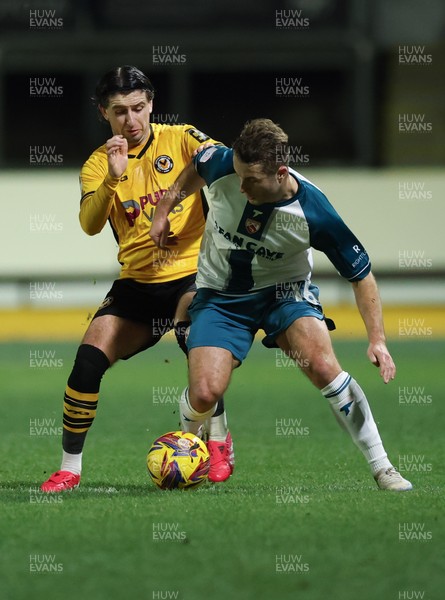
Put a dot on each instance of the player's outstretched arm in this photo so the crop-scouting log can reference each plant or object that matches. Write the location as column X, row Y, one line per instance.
column 369, row 304
column 187, row 183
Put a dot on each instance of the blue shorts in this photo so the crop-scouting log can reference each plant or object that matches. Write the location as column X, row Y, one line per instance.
column 231, row 322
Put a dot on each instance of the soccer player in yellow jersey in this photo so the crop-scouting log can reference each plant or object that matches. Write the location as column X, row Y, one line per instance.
column 121, row 183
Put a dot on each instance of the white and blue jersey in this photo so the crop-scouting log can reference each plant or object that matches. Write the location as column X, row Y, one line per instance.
column 246, row 248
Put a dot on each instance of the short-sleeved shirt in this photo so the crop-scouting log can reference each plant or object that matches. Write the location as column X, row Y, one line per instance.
column 249, row 247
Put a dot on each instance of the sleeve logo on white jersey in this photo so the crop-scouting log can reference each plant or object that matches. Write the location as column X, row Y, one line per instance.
column 207, row 154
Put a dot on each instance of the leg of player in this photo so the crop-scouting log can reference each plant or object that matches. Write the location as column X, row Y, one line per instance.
column 107, row 339
column 209, row 375
column 307, row 341
column 215, row 429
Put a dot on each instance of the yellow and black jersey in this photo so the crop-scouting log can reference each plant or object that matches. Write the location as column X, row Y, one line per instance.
column 129, row 203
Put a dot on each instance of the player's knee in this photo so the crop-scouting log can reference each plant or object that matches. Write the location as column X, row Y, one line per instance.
column 321, row 369
column 181, row 333
column 89, row 367
column 207, row 394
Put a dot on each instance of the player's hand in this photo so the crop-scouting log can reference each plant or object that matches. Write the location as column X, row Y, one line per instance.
column 117, row 152
column 202, row 147
column 379, row 355
column 160, row 233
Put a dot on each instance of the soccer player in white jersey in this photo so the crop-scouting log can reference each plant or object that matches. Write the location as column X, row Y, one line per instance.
column 254, row 272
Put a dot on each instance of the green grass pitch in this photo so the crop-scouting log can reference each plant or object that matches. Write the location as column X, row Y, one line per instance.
column 300, row 518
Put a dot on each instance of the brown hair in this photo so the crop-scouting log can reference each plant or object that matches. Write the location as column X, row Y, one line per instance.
column 122, row 80
column 262, row 141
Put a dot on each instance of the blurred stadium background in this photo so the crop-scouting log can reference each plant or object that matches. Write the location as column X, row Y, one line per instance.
column 358, row 85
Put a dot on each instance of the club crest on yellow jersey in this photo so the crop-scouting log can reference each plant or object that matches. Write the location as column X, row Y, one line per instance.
column 164, row 163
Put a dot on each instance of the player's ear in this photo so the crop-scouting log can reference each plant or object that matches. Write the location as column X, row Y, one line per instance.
column 103, row 112
column 281, row 172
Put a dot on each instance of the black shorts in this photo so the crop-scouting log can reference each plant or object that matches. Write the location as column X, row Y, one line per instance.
column 153, row 304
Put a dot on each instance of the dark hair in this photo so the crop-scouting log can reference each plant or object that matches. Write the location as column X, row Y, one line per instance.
column 262, row 141
column 120, row 80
